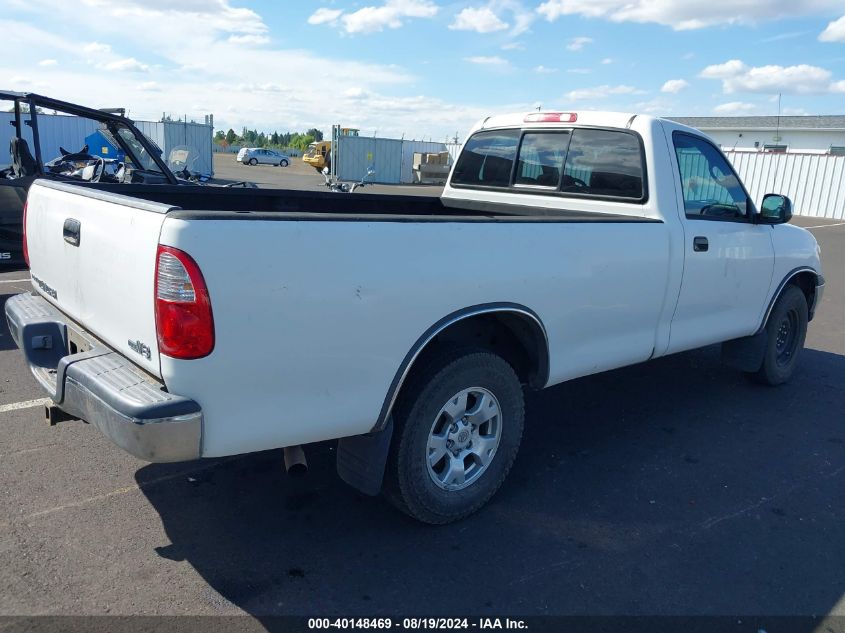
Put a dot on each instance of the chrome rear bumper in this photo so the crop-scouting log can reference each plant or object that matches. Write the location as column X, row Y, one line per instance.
column 88, row 380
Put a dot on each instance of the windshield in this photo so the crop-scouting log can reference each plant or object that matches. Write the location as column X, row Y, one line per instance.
column 312, row 149
column 136, row 152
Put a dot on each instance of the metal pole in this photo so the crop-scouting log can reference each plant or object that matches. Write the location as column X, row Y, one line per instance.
column 333, row 150
column 36, row 140
column 18, row 131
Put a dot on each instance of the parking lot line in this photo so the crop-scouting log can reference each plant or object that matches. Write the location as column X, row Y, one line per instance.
column 13, row 281
column 824, row 226
column 26, row 404
column 119, row 491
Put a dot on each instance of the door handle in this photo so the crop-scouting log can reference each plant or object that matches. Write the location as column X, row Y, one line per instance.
column 72, row 231
column 700, row 244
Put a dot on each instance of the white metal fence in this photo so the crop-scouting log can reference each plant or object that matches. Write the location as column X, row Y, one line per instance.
column 814, row 182
column 392, row 159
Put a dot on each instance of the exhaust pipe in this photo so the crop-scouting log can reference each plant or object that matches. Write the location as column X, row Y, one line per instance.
column 295, row 463
column 54, row 415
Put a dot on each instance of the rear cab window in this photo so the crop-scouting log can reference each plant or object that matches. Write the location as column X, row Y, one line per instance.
column 541, row 157
column 487, row 159
column 579, row 162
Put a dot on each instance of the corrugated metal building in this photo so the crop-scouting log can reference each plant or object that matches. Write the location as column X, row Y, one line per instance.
column 392, row 159
column 69, row 132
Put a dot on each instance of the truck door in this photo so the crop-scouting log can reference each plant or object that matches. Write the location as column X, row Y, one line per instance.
column 728, row 260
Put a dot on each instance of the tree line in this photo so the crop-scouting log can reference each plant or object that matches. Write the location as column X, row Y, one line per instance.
column 254, row 138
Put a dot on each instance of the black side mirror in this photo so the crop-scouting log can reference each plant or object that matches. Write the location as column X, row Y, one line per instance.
column 776, row 209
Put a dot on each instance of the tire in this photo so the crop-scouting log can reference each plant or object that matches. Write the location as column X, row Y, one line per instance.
column 786, row 332
column 422, row 481
column 283, row 163
column 253, row 161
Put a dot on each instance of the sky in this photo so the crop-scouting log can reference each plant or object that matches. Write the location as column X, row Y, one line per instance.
column 426, row 68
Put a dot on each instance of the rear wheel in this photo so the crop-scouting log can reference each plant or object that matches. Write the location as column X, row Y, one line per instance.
column 457, row 430
column 283, row 163
column 786, row 331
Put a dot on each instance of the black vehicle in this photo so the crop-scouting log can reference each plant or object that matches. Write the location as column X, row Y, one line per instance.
column 139, row 162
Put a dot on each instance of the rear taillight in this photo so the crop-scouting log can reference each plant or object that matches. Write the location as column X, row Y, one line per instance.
column 25, row 248
column 184, row 323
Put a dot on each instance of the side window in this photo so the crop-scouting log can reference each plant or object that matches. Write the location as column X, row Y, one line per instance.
column 604, row 163
column 487, row 159
column 710, row 186
column 541, row 158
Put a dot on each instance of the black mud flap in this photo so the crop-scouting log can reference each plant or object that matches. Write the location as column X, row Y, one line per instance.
column 361, row 459
column 745, row 354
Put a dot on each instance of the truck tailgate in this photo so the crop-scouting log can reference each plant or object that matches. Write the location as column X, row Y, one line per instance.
column 93, row 254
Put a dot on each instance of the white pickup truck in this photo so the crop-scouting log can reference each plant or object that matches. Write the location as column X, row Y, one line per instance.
column 188, row 323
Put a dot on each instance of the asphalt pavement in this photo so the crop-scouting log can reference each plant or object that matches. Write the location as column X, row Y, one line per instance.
column 669, row 488
column 300, row 175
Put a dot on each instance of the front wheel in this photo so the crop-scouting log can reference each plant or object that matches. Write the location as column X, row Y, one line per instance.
column 253, row 161
column 786, row 331
column 458, row 425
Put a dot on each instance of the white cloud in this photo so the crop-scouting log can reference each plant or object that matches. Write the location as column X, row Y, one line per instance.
column 735, row 108
column 150, row 86
column 47, row 62
column 835, row 31
column 217, row 16
column 578, row 43
column 484, row 60
column 324, row 15
column 721, row 71
column 780, row 37
column 522, row 17
column 657, row 107
column 390, row 15
column 690, row 14
column 480, row 20
column 249, row 39
column 606, row 61
column 130, row 64
column 674, row 86
column 736, row 76
column 579, row 71
column 543, row 70
column 97, row 48
column 513, row 46
column 601, row 92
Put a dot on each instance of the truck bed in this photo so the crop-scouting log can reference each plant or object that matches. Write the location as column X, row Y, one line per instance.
column 240, row 200
column 221, row 203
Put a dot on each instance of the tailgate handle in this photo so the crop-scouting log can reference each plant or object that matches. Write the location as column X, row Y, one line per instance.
column 71, row 231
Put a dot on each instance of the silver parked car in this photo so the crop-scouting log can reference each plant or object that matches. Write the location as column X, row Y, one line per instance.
column 258, row 155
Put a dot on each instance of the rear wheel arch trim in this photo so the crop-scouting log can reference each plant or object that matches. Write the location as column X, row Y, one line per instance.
column 792, row 274
column 542, row 374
